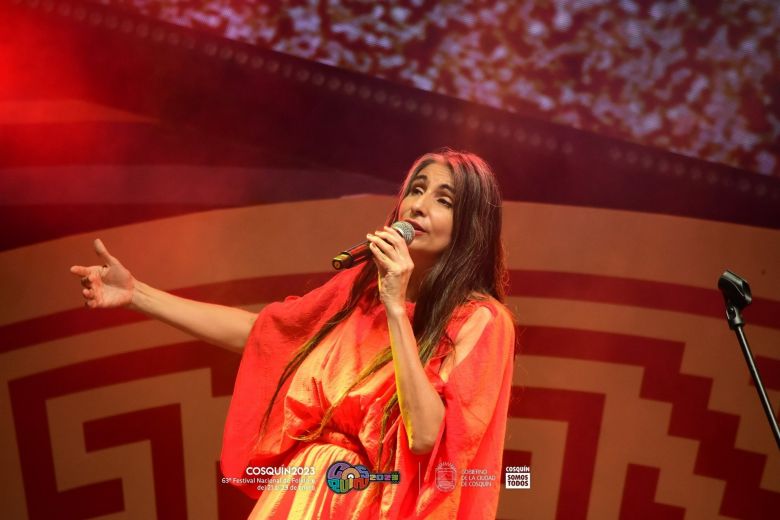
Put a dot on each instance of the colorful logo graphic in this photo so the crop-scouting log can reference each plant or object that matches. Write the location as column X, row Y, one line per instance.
column 343, row 477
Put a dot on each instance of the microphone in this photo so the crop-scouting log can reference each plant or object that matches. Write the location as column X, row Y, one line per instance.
column 360, row 252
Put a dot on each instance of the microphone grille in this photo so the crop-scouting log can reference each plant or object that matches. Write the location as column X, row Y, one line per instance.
column 405, row 229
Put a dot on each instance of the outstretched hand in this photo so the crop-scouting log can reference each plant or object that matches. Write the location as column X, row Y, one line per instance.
column 395, row 266
column 108, row 285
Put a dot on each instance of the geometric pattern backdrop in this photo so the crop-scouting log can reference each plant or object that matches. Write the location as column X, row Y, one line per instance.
column 630, row 400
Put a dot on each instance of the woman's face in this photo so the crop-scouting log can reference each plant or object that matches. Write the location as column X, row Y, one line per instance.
column 428, row 207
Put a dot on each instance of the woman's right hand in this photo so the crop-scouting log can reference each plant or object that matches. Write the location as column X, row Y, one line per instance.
column 108, row 285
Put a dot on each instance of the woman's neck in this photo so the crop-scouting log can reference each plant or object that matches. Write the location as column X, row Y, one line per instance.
column 421, row 269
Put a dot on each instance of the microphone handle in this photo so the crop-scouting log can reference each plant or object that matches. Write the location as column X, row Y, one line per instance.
column 360, row 252
column 352, row 256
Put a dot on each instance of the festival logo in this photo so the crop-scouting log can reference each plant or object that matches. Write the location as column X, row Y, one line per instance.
column 517, row 477
column 343, row 477
column 445, row 476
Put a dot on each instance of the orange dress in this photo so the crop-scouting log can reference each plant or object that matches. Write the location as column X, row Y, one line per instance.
column 460, row 478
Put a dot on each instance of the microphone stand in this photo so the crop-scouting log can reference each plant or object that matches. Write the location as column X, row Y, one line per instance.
column 736, row 294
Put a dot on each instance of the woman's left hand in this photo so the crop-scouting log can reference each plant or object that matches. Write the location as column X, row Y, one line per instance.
column 391, row 256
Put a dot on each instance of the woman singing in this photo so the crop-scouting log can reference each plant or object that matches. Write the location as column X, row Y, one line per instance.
column 401, row 368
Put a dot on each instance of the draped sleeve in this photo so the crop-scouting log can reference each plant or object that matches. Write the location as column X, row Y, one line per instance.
column 279, row 330
column 454, row 480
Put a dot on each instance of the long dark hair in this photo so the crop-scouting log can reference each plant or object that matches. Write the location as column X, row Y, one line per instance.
column 470, row 268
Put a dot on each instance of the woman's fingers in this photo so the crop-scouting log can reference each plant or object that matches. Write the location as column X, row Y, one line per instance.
column 381, row 251
column 89, row 275
column 390, row 250
column 90, row 298
column 79, row 270
column 104, row 286
column 103, row 253
column 379, row 240
column 391, row 237
column 379, row 254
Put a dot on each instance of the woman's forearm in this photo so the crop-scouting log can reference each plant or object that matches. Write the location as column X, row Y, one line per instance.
column 422, row 409
column 216, row 324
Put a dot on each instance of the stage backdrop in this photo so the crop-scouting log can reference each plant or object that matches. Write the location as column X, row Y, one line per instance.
column 225, row 182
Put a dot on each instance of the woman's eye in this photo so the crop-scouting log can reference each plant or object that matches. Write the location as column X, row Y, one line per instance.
column 446, row 202
column 417, row 190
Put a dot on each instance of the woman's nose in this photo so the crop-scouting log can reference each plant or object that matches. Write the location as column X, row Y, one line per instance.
column 420, row 204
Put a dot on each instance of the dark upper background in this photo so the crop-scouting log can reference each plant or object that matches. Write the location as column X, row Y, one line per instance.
column 109, row 114
column 698, row 77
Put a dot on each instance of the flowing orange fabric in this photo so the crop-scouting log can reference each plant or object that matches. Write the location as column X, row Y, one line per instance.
column 476, row 396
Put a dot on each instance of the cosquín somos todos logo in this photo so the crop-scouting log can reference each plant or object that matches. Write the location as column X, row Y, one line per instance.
column 517, row 477
column 343, row 477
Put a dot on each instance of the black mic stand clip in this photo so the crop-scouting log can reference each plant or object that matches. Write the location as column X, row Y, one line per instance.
column 737, row 296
